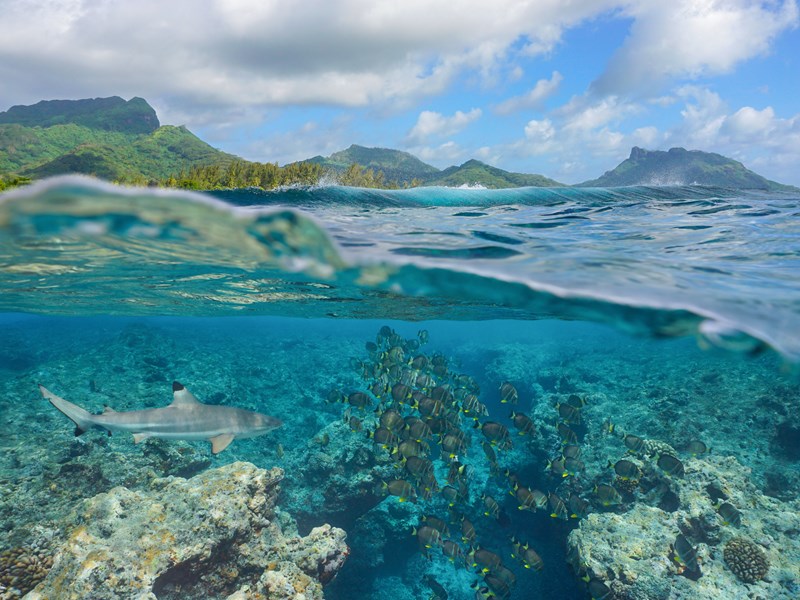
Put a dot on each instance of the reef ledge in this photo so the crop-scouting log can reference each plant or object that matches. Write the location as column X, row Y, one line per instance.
column 219, row 534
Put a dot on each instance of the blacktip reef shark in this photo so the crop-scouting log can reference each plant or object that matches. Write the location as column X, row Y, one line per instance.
column 185, row 419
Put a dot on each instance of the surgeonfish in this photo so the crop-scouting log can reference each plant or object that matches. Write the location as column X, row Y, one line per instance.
column 508, row 393
column 685, row 554
column 730, row 514
column 523, row 423
column 697, row 448
column 400, row 488
column 670, row 465
column 626, row 470
column 607, row 494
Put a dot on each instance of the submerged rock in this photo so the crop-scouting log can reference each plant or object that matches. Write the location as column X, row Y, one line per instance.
column 634, row 554
column 217, row 535
column 336, row 481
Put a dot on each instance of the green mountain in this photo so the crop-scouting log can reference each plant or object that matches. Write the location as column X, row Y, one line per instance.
column 402, row 167
column 123, row 141
column 474, row 172
column 397, row 166
column 110, row 114
column 107, row 137
column 683, row 167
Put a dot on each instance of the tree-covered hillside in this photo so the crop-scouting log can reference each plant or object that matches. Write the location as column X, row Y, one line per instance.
column 122, row 141
column 474, row 172
column 109, row 114
column 105, row 137
column 398, row 168
column 683, row 167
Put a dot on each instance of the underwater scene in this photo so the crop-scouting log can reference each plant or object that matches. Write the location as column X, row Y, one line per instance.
column 410, row 394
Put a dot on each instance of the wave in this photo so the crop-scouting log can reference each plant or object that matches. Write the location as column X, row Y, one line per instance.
column 660, row 262
column 315, row 196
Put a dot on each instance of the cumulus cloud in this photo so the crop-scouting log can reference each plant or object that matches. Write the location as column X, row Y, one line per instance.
column 583, row 138
column 433, row 124
column 252, row 52
column 541, row 136
column 225, row 64
column 703, row 114
column 442, row 155
column 748, row 123
column 692, row 38
column 301, row 140
column 535, row 98
column 586, row 113
column 759, row 138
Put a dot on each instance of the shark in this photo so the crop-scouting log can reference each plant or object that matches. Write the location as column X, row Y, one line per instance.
column 185, row 419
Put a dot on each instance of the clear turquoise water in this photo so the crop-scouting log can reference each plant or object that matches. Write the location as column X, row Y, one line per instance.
column 660, row 305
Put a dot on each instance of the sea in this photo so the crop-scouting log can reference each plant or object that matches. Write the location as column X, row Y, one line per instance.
column 632, row 324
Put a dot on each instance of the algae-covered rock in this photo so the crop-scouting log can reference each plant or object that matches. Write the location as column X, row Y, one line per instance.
column 634, row 552
column 217, row 535
column 335, row 477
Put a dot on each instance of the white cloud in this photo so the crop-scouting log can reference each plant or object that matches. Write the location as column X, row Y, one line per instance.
column 647, row 137
column 441, row 156
column 535, row 98
column 487, row 154
column 748, row 124
column 763, row 141
column 692, row 38
column 586, row 113
column 702, row 114
column 307, row 139
column 225, row 64
column 540, row 131
column 582, row 139
column 540, row 136
column 433, row 124
column 258, row 52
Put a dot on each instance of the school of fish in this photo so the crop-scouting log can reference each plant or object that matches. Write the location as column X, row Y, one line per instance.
column 429, row 418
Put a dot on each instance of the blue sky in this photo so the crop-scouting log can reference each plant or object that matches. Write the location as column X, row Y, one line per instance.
column 562, row 88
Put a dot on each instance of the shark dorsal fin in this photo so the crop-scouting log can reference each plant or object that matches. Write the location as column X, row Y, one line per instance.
column 181, row 397
column 220, row 442
column 107, row 410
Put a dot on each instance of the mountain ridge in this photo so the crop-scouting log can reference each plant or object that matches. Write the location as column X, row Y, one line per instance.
column 678, row 166
column 111, row 114
column 397, row 165
column 123, row 140
column 109, row 138
column 475, row 172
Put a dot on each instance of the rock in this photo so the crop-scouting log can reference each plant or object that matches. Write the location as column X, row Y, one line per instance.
column 631, row 551
column 337, row 482
column 217, row 535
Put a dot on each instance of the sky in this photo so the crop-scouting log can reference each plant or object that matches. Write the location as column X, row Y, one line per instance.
column 564, row 88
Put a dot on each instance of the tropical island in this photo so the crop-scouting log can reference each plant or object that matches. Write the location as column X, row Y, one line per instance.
column 123, row 142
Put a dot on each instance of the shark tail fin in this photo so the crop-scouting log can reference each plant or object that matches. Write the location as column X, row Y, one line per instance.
column 83, row 419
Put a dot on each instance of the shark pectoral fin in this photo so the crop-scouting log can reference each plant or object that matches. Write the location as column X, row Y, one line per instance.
column 139, row 437
column 220, row 442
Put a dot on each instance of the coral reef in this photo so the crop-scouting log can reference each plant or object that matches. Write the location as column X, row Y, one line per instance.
column 746, row 559
column 22, row 568
column 666, row 392
column 335, row 477
column 633, row 552
column 217, row 535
